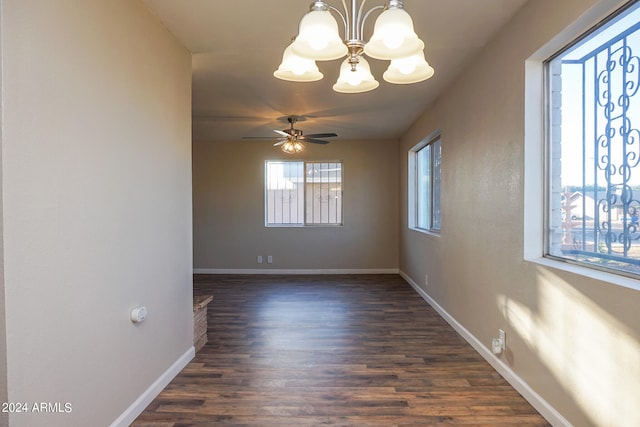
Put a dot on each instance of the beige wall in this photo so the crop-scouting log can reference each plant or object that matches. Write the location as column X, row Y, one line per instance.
column 229, row 230
column 96, row 205
column 4, row 417
column 574, row 340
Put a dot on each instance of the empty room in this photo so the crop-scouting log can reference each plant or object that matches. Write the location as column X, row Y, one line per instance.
column 303, row 213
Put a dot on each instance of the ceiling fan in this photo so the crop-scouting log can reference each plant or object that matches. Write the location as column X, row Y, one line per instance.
column 290, row 140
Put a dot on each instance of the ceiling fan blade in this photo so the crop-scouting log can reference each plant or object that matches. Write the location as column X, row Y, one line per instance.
column 279, row 132
column 279, row 143
column 320, row 135
column 260, row 137
column 315, row 141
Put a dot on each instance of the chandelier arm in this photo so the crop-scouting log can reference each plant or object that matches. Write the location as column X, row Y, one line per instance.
column 344, row 7
column 366, row 15
column 360, row 9
column 344, row 19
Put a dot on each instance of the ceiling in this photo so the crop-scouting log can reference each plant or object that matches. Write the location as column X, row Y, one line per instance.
column 237, row 45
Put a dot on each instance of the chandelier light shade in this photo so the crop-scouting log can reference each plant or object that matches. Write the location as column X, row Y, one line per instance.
column 295, row 68
column 360, row 80
column 318, row 38
column 393, row 39
column 393, row 36
column 412, row 69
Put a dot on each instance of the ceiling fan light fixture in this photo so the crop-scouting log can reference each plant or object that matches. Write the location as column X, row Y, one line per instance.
column 292, row 147
column 412, row 69
column 318, row 37
column 295, row 68
column 355, row 80
column 393, row 35
column 290, row 140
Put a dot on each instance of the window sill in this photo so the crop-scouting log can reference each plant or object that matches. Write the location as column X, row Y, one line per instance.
column 423, row 231
column 304, row 225
column 603, row 276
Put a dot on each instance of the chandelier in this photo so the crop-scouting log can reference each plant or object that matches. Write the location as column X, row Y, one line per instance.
column 393, row 39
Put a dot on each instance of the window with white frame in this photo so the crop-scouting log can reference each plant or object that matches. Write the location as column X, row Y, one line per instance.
column 424, row 185
column 593, row 155
column 299, row 193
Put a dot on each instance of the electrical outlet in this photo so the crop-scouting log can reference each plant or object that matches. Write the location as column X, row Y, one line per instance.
column 259, row 259
column 269, row 259
column 502, row 336
column 426, row 280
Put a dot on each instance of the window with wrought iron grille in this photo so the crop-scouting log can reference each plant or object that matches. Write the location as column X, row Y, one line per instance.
column 593, row 155
column 299, row 193
column 424, row 185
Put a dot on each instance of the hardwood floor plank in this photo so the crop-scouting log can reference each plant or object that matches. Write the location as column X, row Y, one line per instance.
column 332, row 351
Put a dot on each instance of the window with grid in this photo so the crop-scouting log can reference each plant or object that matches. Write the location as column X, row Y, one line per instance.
column 593, row 116
column 424, row 185
column 299, row 193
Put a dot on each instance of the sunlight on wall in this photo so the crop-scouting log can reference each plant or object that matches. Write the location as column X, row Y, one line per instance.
column 589, row 352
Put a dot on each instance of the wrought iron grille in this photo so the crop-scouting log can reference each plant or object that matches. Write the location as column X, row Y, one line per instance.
column 299, row 193
column 595, row 147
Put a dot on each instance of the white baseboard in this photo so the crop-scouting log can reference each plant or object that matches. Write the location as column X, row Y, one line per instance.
column 295, row 271
column 136, row 408
column 540, row 404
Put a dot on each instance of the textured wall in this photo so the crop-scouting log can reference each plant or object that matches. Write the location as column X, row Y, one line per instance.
column 96, row 182
column 573, row 339
column 229, row 230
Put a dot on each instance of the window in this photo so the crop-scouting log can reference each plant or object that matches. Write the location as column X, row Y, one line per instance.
column 303, row 193
column 424, row 185
column 593, row 155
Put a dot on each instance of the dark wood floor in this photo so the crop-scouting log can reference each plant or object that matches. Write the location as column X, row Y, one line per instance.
column 332, row 351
